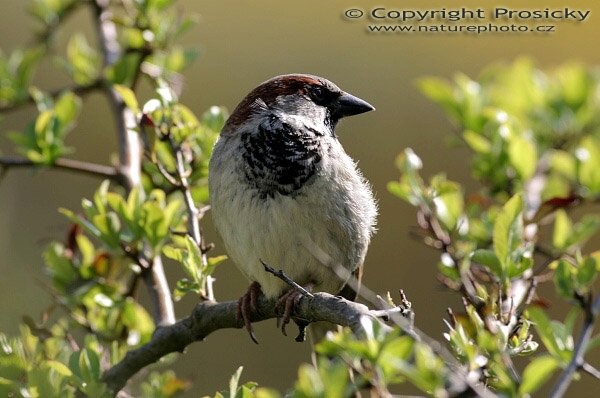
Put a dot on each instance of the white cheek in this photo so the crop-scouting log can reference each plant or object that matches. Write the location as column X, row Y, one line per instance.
column 300, row 111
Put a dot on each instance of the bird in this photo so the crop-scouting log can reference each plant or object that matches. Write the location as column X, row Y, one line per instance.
column 284, row 192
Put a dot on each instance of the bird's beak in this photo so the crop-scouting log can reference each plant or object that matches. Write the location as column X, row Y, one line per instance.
column 349, row 105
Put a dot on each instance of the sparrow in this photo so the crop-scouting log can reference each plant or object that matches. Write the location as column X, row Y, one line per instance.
column 284, row 192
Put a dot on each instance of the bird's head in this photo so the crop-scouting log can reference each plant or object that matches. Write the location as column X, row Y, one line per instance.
column 298, row 95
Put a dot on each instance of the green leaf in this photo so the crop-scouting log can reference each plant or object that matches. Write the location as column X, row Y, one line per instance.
column 477, row 142
column 186, row 24
column 89, row 365
column 212, row 263
column 562, row 229
column 588, row 155
column 583, row 230
column 402, row 191
column 441, row 92
column 553, row 334
column 449, row 271
column 448, row 201
column 537, row 373
column 74, row 364
column 185, row 286
column 563, row 163
column 193, row 262
column 128, row 97
column 563, row 279
column 8, row 388
column 67, row 109
column 399, row 349
column 179, row 58
column 335, row 378
column 571, row 318
column 138, row 321
column 86, row 247
column 133, row 208
column 163, row 385
column 59, row 367
column 309, row 383
column 428, row 371
column 13, row 367
column 59, row 266
column 489, row 259
column 124, row 70
column 408, row 161
column 214, row 118
column 523, row 156
column 88, row 226
column 84, row 60
column 173, row 253
column 587, row 271
column 45, row 381
column 234, row 381
column 43, row 121
column 508, row 230
column 16, row 73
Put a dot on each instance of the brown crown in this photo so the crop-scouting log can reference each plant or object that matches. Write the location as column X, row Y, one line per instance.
column 269, row 91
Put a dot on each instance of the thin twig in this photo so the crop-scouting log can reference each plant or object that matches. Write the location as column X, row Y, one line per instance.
column 193, row 213
column 77, row 166
column 589, row 369
column 577, row 361
column 385, row 314
column 202, row 211
column 76, row 89
column 165, row 173
column 281, row 275
column 46, row 34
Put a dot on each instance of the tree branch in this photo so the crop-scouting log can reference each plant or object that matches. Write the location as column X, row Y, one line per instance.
column 158, row 289
column 577, row 361
column 193, row 213
column 76, row 166
column 77, row 89
column 210, row 316
column 592, row 371
column 46, row 34
column 130, row 157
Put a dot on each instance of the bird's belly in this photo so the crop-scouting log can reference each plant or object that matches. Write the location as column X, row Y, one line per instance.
column 281, row 231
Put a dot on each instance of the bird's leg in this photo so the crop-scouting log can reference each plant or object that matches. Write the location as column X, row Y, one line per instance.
column 246, row 303
column 302, row 324
column 286, row 304
column 289, row 300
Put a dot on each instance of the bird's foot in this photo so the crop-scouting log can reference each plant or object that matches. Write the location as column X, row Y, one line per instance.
column 246, row 303
column 286, row 306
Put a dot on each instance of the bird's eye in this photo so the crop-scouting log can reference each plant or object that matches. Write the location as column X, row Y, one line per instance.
column 319, row 94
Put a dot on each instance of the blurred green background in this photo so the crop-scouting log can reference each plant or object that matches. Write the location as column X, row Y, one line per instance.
column 243, row 43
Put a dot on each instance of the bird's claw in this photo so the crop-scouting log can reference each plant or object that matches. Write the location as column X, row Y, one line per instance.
column 246, row 303
column 287, row 303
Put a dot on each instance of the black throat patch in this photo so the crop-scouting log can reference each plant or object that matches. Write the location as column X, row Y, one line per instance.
column 281, row 160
